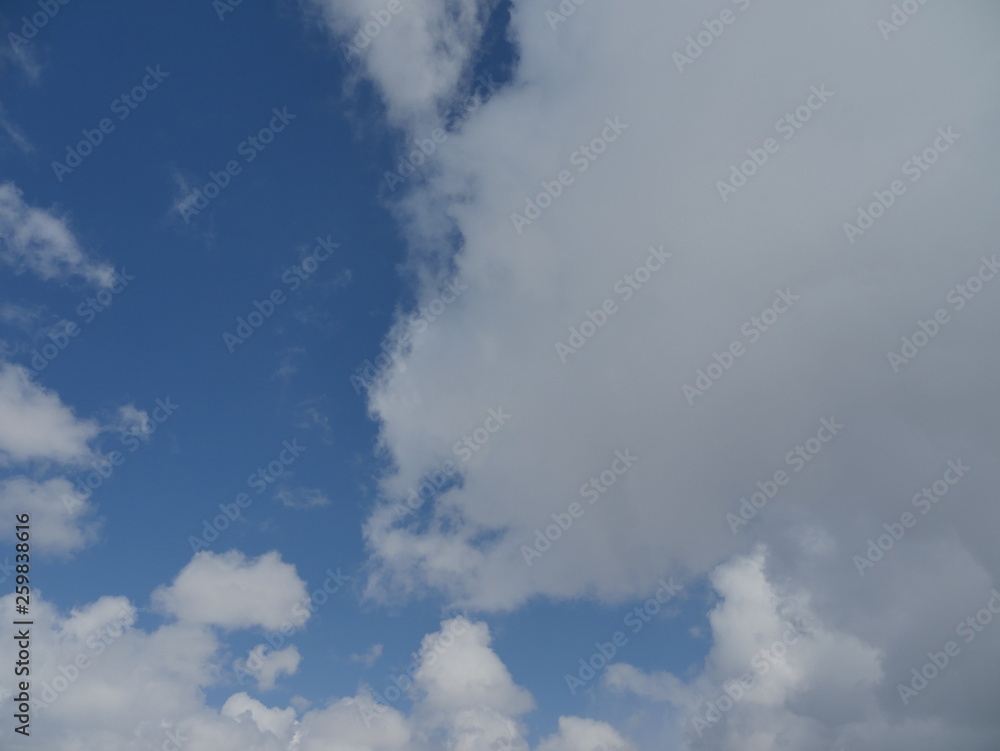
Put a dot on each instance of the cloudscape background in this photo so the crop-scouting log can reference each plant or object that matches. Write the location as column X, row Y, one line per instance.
column 441, row 374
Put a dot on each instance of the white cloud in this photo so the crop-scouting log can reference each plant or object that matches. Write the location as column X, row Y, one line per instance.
column 134, row 421
column 103, row 681
column 32, row 239
column 779, row 675
column 416, row 59
column 466, row 674
column 36, row 426
column 94, row 618
column 60, row 519
column 825, row 357
column 266, row 664
column 277, row 722
column 368, row 658
column 656, row 186
column 578, row 734
column 231, row 591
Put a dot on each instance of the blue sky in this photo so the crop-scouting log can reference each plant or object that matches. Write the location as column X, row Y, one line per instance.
column 264, row 102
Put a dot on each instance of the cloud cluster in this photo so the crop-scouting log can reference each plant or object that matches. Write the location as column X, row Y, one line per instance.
column 36, row 426
column 773, row 669
column 41, row 436
column 39, row 432
column 106, row 682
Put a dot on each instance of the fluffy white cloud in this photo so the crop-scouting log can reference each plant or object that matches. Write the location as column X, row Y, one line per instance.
column 417, row 56
column 61, row 521
column 266, row 664
column 778, row 675
column 36, row 426
column 341, row 726
column 97, row 617
column 779, row 236
column 230, row 591
column 655, row 185
column 468, row 673
column 766, row 263
column 578, row 734
column 36, row 240
column 277, row 722
column 134, row 421
column 102, row 681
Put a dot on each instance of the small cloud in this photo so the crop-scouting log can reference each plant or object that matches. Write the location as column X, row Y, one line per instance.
column 134, row 421
column 313, row 418
column 185, row 195
column 14, row 133
column 21, row 316
column 289, row 366
column 266, row 666
column 368, row 658
column 285, row 371
column 301, row 498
